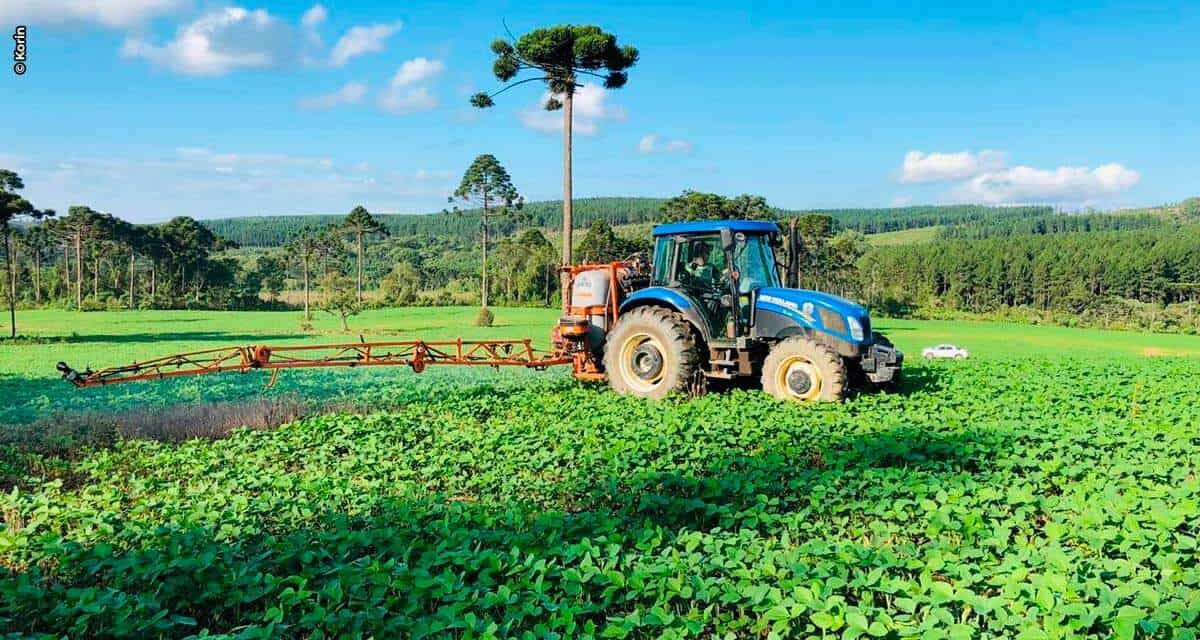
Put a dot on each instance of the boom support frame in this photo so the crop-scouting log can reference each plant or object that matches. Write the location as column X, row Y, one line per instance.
column 417, row 354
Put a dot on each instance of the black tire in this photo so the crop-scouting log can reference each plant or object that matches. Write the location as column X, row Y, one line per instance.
column 800, row 370
column 650, row 353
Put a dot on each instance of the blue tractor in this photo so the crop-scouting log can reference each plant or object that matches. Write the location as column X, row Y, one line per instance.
column 712, row 306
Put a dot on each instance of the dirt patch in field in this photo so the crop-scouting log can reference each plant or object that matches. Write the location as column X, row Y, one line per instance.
column 1155, row 352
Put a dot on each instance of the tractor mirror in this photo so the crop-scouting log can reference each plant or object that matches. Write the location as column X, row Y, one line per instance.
column 727, row 238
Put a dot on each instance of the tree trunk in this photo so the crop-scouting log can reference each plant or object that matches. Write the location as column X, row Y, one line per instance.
column 153, row 279
column 96, row 277
column 12, row 280
column 345, row 325
column 307, row 313
column 67, row 272
column 483, row 285
column 131, row 283
column 37, row 276
column 358, row 284
column 566, row 239
column 79, row 271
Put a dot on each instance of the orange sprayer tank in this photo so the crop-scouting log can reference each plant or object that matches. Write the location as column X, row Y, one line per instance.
column 590, row 294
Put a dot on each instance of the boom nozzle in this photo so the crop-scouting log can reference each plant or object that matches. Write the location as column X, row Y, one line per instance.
column 69, row 374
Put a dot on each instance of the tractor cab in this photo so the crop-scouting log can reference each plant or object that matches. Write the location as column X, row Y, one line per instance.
column 720, row 265
column 714, row 307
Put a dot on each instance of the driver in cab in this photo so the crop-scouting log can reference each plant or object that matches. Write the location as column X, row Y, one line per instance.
column 702, row 271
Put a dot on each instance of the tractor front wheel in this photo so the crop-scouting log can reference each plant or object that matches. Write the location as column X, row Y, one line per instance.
column 649, row 353
column 800, row 370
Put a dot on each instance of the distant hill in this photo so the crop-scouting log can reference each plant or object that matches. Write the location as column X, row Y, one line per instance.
column 271, row 231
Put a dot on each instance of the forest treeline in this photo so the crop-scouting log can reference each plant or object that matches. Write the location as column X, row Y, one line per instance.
column 1134, row 269
column 1145, row 278
column 275, row 231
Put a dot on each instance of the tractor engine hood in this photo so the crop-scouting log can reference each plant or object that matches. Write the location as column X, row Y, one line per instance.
column 780, row 311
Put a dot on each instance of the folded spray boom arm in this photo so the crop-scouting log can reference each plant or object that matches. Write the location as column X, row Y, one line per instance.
column 417, row 354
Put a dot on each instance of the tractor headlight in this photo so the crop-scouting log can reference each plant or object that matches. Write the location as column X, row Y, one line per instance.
column 856, row 330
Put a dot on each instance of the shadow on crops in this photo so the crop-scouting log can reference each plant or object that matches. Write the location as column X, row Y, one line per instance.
column 406, row 567
column 917, row 378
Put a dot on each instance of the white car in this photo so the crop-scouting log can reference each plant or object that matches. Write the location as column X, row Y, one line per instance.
column 945, row 351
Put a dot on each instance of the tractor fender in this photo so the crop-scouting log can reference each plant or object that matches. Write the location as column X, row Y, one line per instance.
column 674, row 300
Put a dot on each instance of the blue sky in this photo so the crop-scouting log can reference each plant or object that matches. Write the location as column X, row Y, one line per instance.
column 155, row 108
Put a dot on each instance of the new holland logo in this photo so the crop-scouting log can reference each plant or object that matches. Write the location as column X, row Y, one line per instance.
column 805, row 311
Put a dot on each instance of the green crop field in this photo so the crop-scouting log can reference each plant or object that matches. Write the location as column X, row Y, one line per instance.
column 29, row 383
column 1045, row 488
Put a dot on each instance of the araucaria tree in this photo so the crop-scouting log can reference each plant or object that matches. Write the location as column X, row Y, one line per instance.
column 360, row 224
column 487, row 185
column 78, row 229
column 302, row 249
column 12, row 208
column 560, row 56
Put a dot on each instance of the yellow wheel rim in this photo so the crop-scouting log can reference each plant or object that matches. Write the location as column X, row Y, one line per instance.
column 797, row 378
column 637, row 362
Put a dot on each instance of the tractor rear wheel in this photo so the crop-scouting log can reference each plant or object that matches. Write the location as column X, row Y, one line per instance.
column 800, row 370
column 649, row 353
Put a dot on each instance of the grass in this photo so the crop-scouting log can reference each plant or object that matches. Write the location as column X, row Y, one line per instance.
column 920, row 235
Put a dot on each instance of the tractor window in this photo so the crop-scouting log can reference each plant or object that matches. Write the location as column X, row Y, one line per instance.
column 701, row 264
column 755, row 262
column 662, row 260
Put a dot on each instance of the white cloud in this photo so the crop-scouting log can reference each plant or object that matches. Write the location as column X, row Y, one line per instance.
column 201, row 157
column 417, row 70
column 902, row 201
column 1023, row 184
column 590, row 107
column 233, row 38
column 310, row 22
column 424, row 175
column 107, row 13
column 315, row 15
column 942, row 167
column 350, row 93
column 650, row 144
column 403, row 96
column 205, row 183
column 361, row 40
column 219, row 42
column 401, row 101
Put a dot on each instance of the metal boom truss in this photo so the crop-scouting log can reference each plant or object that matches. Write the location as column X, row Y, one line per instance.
column 417, row 354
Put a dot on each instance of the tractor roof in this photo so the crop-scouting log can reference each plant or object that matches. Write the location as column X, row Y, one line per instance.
column 715, row 226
